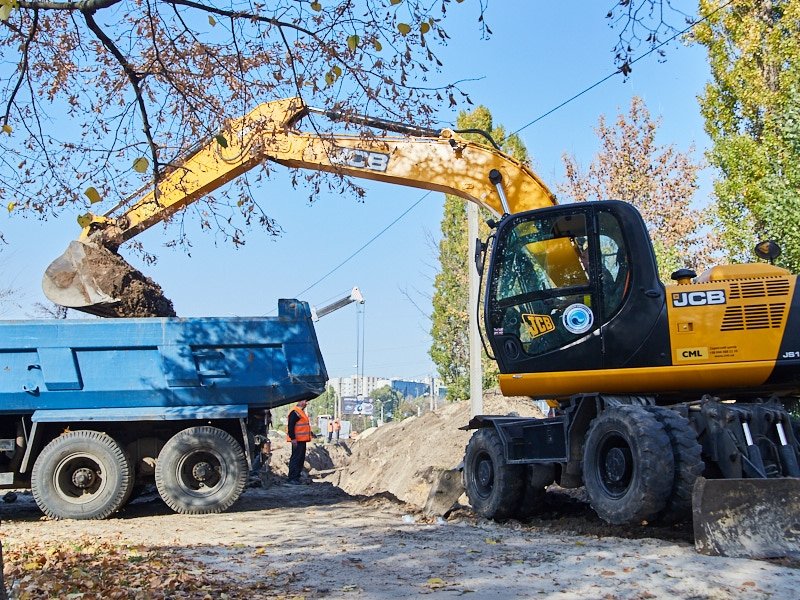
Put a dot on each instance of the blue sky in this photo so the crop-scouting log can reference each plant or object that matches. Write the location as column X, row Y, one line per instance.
column 540, row 54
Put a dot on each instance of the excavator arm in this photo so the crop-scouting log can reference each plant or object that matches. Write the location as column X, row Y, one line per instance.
column 91, row 277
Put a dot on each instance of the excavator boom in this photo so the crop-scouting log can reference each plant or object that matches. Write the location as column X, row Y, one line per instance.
column 92, row 280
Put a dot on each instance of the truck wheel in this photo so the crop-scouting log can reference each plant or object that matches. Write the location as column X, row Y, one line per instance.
column 493, row 487
column 689, row 465
column 81, row 475
column 201, row 470
column 628, row 467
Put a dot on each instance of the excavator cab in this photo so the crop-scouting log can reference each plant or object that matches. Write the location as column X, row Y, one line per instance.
column 564, row 282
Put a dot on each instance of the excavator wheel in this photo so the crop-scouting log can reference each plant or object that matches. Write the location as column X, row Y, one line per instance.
column 689, row 465
column 628, row 465
column 494, row 487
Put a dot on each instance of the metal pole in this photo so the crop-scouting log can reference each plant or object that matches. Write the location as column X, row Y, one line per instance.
column 475, row 371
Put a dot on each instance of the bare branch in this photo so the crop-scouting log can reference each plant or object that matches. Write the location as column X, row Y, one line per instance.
column 135, row 81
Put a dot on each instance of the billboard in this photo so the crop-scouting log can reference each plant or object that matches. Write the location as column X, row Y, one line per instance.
column 357, row 406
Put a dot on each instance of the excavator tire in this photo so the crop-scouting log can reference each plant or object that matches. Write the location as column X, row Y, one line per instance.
column 628, row 465
column 494, row 488
column 689, row 465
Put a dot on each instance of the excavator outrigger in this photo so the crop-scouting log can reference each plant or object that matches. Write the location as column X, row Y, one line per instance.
column 667, row 399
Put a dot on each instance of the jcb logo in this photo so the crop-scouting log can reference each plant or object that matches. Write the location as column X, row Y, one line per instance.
column 360, row 159
column 692, row 353
column 539, row 324
column 698, row 298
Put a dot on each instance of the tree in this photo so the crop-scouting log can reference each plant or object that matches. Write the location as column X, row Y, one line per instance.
column 142, row 82
column 658, row 179
column 752, row 114
column 450, row 317
column 325, row 403
column 390, row 400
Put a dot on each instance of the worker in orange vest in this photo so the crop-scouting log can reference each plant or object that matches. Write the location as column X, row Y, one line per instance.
column 337, row 426
column 298, row 432
column 330, row 430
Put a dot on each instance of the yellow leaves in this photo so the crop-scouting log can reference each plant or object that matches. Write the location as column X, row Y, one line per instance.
column 7, row 129
column 424, row 27
column 316, row 6
column 404, row 28
column 377, row 45
column 140, row 164
column 211, row 20
column 6, row 6
column 352, row 42
column 11, row 206
column 492, row 541
column 84, row 219
column 393, row 2
column 89, row 569
column 92, row 194
column 333, row 74
column 435, row 583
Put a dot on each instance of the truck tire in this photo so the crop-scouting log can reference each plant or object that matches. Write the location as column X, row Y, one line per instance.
column 689, row 465
column 81, row 475
column 628, row 468
column 494, row 488
column 201, row 470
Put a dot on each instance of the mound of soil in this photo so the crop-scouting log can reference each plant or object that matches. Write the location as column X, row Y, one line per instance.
column 77, row 278
column 400, row 458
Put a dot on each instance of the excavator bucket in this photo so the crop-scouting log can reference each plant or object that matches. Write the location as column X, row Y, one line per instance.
column 747, row 518
column 95, row 280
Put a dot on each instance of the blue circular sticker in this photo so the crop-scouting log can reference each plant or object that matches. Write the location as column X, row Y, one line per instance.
column 577, row 318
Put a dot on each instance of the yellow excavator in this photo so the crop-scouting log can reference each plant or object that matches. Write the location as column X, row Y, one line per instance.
column 668, row 400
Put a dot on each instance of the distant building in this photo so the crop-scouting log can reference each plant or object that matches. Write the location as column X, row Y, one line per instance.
column 410, row 389
column 357, row 385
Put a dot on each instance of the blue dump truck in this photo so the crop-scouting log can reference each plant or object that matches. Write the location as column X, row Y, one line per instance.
column 91, row 409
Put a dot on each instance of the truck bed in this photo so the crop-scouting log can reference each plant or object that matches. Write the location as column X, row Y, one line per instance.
column 160, row 362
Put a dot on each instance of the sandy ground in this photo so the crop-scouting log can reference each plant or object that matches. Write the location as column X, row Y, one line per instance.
column 315, row 541
column 347, row 534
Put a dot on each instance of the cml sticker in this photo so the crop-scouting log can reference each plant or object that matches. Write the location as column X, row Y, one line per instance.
column 577, row 318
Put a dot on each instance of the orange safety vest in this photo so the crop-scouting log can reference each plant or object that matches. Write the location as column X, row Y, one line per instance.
column 330, row 426
column 302, row 429
column 337, row 426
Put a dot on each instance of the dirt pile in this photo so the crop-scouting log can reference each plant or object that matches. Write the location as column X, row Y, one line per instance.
column 403, row 458
column 87, row 272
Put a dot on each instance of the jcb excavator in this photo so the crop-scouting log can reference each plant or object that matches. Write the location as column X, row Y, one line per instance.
column 659, row 392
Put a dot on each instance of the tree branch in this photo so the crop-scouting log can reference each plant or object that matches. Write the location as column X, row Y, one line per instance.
column 23, row 70
column 135, row 81
column 236, row 14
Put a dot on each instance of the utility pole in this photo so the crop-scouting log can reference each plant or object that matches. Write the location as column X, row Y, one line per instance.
column 475, row 370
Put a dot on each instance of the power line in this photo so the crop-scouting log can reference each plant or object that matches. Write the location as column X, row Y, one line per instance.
column 623, row 68
column 534, row 121
column 372, row 239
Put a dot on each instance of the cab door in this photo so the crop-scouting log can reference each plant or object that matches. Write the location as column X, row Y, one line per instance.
column 542, row 292
column 563, row 292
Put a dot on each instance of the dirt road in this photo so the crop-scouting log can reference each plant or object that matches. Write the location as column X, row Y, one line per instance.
column 315, row 541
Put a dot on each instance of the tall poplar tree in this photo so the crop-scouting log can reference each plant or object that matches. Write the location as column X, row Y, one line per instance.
column 659, row 180
column 752, row 113
column 450, row 317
